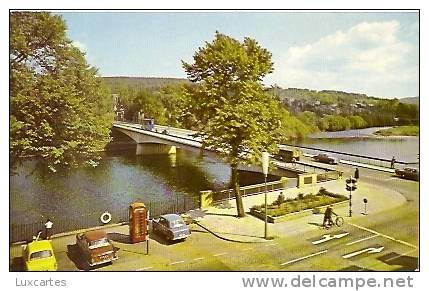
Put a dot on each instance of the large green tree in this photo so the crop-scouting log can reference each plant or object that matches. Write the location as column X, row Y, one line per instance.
column 60, row 111
column 235, row 114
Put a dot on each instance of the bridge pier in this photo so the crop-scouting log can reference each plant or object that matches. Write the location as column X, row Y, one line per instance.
column 155, row 149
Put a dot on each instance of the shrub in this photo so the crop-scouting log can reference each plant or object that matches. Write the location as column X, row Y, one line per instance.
column 283, row 206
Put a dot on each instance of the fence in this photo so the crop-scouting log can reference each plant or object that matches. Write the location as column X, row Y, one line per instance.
column 25, row 232
column 224, row 195
column 353, row 157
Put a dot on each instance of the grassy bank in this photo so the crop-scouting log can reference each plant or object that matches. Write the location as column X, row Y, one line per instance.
column 411, row 130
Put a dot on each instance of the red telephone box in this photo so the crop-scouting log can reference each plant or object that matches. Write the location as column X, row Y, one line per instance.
column 139, row 217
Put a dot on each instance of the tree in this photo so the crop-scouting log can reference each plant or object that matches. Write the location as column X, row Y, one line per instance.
column 356, row 121
column 60, row 112
column 235, row 115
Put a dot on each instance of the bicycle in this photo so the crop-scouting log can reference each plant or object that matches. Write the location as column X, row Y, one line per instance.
column 339, row 222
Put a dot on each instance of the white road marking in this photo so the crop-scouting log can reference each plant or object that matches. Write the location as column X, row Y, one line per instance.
column 248, row 249
column 367, row 250
column 271, row 244
column 196, row 259
column 303, row 258
column 142, row 269
column 221, row 254
column 398, row 256
column 383, row 235
column 328, row 237
column 362, row 239
column 177, row 262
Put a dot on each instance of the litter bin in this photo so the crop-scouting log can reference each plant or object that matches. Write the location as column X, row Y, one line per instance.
column 139, row 217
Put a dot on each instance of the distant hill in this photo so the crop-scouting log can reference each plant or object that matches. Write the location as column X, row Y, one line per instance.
column 150, row 83
column 410, row 100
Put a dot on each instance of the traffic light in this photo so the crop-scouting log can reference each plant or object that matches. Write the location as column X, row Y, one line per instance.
column 351, row 184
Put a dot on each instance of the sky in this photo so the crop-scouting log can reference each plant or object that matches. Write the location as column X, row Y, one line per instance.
column 375, row 53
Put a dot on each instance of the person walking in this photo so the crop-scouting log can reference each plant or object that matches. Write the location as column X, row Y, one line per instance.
column 357, row 173
column 392, row 163
column 48, row 228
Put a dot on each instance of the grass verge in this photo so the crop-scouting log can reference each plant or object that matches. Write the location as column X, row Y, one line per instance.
column 406, row 130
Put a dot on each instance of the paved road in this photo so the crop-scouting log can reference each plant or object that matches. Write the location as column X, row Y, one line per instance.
column 315, row 250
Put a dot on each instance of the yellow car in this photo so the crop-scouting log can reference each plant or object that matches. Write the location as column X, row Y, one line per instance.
column 39, row 256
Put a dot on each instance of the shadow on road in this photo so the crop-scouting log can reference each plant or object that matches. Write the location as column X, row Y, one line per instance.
column 221, row 214
column 76, row 258
column 160, row 239
column 404, row 263
column 119, row 237
column 17, row 264
column 353, row 269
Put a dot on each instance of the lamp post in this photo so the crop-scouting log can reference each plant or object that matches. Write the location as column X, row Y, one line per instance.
column 265, row 161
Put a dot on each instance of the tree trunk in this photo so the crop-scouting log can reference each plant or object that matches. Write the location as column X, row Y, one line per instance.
column 202, row 149
column 236, row 187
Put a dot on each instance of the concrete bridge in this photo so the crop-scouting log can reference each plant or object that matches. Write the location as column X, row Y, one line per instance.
column 154, row 142
column 173, row 139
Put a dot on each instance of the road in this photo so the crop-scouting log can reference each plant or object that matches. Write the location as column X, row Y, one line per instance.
column 317, row 250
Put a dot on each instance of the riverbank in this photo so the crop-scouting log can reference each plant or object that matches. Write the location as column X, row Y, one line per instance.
column 406, row 130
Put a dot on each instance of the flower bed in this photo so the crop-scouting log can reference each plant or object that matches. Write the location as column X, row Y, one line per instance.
column 284, row 206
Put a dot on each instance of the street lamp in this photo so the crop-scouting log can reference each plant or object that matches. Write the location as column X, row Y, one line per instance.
column 265, row 161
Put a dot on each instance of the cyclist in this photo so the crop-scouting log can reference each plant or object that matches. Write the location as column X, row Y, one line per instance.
column 327, row 219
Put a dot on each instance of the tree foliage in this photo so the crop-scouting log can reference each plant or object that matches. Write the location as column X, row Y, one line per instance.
column 60, row 111
column 235, row 115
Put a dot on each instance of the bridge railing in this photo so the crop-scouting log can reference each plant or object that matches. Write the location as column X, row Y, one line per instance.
column 381, row 162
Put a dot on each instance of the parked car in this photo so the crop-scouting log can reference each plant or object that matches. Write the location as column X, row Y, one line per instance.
column 39, row 256
column 408, row 173
column 95, row 248
column 324, row 158
column 171, row 227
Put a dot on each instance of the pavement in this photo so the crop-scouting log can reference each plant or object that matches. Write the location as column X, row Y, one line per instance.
column 222, row 220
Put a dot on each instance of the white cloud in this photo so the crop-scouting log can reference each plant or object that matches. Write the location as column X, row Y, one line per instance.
column 81, row 46
column 368, row 58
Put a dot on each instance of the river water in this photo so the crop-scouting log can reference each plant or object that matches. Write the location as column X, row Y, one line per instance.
column 122, row 177
column 364, row 142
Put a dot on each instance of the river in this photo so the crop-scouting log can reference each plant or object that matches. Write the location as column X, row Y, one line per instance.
column 364, row 142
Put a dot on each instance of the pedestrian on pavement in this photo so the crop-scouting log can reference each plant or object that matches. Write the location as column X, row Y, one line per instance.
column 357, row 173
column 294, row 161
column 48, row 228
column 392, row 163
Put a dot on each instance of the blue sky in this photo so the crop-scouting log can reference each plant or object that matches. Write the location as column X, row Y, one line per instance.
column 375, row 53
